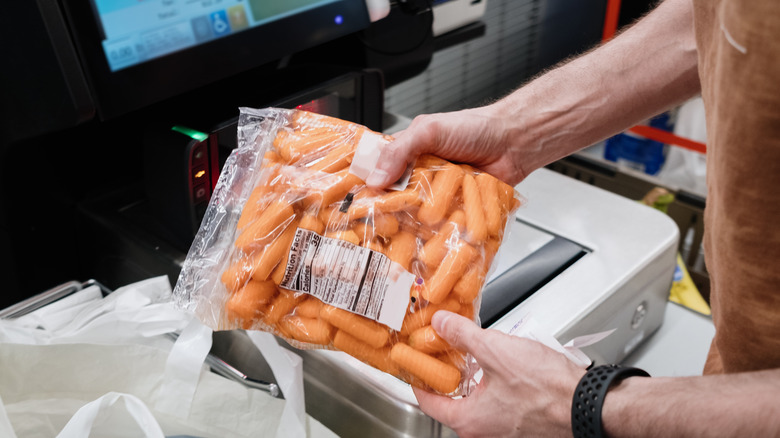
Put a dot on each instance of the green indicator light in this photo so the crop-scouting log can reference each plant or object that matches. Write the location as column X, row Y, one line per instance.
column 189, row 132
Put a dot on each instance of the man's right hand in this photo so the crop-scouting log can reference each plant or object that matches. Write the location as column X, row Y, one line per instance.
column 479, row 137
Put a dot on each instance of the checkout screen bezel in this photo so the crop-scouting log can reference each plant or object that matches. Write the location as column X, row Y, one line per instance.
column 122, row 91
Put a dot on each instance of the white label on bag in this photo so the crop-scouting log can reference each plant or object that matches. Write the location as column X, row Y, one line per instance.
column 366, row 157
column 349, row 277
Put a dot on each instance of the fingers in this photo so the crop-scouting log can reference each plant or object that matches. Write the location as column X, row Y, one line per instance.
column 460, row 332
column 444, row 409
column 432, row 404
column 390, row 166
column 394, row 158
column 419, row 138
column 486, row 346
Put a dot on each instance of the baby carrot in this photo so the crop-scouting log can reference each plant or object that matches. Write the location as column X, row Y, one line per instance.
column 515, row 204
column 271, row 158
column 374, row 245
column 309, row 308
column 377, row 357
column 310, row 120
column 426, row 339
column 488, row 188
column 245, row 304
column 458, row 219
column 283, row 304
column 237, row 274
column 403, row 247
column 333, row 218
column 395, row 201
column 367, row 235
column 490, row 249
column 254, row 205
column 368, row 192
column 295, row 148
column 421, row 179
column 434, row 250
column 273, row 254
column 364, row 329
column 385, row 225
column 446, row 183
column 422, row 316
column 408, row 222
column 506, row 196
column 310, row 330
column 364, row 232
column 282, row 184
column 299, row 132
column 467, row 310
column 265, row 227
column 287, row 140
column 313, row 185
column 438, row 375
column 361, row 208
column 311, row 222
column 390, row 202
column 277, row 275
column 439, row 285
column 259, row 291
column 475, row 213
column 279, row 143
column 337, row 159
column 338, row 190
column 468, row 286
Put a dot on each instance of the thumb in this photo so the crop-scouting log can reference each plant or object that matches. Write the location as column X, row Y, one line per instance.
column 460, row 332
column 394, row 158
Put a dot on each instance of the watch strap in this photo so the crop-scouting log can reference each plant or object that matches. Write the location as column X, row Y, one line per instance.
column 589, row 397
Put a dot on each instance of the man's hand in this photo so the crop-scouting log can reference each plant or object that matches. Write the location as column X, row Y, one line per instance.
column 526, row 388
column 476, row 136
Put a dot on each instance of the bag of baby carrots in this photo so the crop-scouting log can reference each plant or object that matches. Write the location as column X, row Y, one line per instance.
column 294, row 243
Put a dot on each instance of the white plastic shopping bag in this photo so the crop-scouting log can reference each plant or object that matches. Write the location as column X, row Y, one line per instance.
column 89, row 365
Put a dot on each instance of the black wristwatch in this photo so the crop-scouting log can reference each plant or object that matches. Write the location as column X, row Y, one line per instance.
column 589, row 398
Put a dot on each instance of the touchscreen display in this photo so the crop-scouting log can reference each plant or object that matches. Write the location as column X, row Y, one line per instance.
column 135, row 31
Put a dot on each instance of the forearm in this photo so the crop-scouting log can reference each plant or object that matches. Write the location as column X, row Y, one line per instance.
column 745, row 404
column 644, row 71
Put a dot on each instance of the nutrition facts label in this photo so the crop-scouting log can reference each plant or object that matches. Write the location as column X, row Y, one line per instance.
column 349, row 277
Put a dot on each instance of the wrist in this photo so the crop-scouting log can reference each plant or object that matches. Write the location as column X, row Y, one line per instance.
column 587, row 411
column 549, row 118
column 521, row 127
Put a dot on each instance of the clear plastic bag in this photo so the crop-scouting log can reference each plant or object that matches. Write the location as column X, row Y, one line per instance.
column 295, row 244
